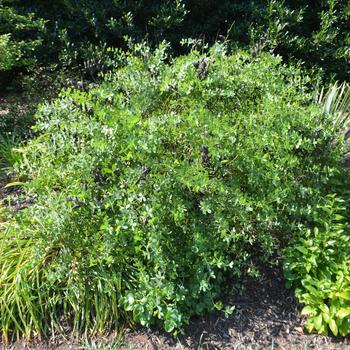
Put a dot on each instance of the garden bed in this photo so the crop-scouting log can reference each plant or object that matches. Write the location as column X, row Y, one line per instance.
column 267, row 316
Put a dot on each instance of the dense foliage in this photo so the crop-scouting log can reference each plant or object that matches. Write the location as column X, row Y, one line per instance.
column 318, row 268
column 20, row 36
column 69, row 31
column 148, row 191
column 317, row 260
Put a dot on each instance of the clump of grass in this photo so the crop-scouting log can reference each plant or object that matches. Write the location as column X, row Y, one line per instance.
column 9, row 155
column 336, row 101
column 113, row 345
column 41, row 296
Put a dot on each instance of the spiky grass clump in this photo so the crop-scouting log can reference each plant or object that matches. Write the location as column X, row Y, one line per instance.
column 336, row 101
column 40, row 297
column 9, row 155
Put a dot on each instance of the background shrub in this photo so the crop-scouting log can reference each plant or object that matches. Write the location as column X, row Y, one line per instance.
column 148, row 191
column 66, row 34
column 20, row 36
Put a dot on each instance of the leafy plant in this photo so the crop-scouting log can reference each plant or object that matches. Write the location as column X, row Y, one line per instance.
column 7, row 53
column 59, row 35
column 152, row 188
column 317, row 266
column 20, row 35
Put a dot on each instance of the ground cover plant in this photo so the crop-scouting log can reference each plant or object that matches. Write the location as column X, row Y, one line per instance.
column 317, row 261
column 318, row 267
column 145, row 193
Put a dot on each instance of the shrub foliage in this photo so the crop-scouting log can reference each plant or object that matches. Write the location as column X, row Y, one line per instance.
column 150, row 190
column 20, row 36
column 317, row 33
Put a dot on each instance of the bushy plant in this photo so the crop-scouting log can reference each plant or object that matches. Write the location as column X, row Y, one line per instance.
column 316, row 33
column 7, row 53
column 20, row 35
column 317, row 266
column 65, row 35
column 147, row 192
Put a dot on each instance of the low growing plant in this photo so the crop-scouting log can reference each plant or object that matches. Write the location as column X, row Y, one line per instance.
column 9, row 156
column 318, row 267
column 149, row 191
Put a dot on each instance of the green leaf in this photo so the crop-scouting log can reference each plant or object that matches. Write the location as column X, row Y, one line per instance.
column 169, row 325
column 310, row 326
column 333, row 327
column 130, row 299
column 308, row 311
column 302, row 250
column 229, row 310
column 318, row 322
column 344, row 328
column 344, row 295
column 15, row 183
column 324, row 308
column 343, row 312
column 326, row 317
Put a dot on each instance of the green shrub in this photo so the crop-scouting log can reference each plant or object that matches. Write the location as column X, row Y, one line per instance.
column 315, row 32
column 318, row 267
column 66, row 35
column 7, row 53
column 20, row 36
column 150, row 190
